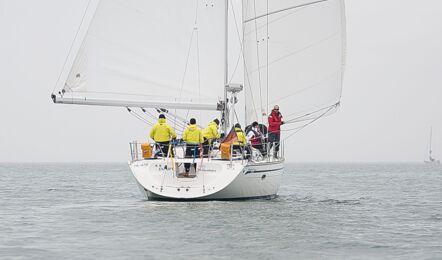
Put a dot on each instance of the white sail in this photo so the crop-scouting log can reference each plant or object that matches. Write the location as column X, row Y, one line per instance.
column 294, row 57
column 160, row 51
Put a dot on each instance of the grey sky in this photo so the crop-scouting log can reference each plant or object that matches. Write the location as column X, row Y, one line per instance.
column 392, row 92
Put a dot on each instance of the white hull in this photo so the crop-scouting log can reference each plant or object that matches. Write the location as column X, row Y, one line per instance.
column 161, row 179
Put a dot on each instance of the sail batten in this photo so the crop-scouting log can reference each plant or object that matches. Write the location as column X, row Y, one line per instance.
column 294, row 54
column 283, row 10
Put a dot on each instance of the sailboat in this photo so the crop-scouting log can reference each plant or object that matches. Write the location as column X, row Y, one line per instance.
column 207, row 59
column 431, row 160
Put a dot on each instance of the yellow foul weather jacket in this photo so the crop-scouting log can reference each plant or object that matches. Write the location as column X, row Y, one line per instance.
column 211, row 131
column 241, row 137
column 162, row 132
column 193, row 135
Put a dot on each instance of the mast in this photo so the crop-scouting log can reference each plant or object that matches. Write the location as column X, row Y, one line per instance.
column 226, row 34
column 226, row 114
column 244, row 63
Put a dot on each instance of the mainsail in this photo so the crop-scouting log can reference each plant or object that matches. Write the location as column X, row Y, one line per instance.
column 294, row 57
column 169, row 51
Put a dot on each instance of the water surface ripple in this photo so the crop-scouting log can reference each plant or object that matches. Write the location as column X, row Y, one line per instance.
column 324, row 211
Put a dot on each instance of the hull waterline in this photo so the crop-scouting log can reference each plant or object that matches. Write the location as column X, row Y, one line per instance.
column 162, row 179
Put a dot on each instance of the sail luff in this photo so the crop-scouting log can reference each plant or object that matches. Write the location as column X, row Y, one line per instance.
column 77, row 43
column 226, row 43
column 225, row 115
column 431, row 137
column 343, row 43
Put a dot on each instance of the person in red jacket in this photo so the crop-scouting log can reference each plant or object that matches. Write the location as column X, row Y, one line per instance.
column 275, row 122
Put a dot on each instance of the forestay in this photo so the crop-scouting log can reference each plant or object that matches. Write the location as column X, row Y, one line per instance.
column 294, row 57
column 164, row 51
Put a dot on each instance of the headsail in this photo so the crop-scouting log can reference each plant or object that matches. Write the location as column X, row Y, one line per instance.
column 294, row 57
column 169, row 51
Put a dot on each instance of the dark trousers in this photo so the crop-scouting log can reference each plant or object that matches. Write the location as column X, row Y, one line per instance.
column 191, row 152
column 243, row 148
column 261, row 149
column 164, row 147
column 274, row 139
column 207, row 147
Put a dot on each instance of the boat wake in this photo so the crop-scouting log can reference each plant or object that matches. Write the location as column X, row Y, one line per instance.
column 330, row 201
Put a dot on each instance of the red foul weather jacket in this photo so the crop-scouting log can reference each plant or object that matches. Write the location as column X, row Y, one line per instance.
column 275, row 122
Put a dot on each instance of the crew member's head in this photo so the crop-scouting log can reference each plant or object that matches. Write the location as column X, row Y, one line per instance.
column 192, row 121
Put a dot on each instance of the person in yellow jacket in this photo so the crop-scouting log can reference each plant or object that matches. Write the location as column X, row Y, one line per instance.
column 241, row 143
column 193, row 136
column 210, row 134
column 161, row 133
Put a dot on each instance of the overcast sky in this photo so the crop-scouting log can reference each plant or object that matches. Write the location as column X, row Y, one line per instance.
column 392, row 91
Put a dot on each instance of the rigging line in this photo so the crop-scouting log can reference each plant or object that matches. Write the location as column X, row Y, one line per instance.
column 331, row 36
column 176, row 121
column 187, row 119
column 72, row 45
column 180, row 120
column 138, row 117
column 236, row 67
column 190, row 48
column 343, row 43
column 298, row 121
column 304, row 126
column 240, row 43
column 267, row 62
column 279, row 18
column 237, row 119
column 152, row 116
column 328, row 112
column 198, row 62
column 284, row 9
column 245, row 73
column 292, row 129
column 198, row 66
column 310, row 113
column 309, row 116
column 257, row 58
column 143, row 119
column 244, row 61
column 188, row 54
column 149, row 114
column 316, row 84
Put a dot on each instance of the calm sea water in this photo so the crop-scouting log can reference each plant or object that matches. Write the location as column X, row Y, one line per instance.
column 324, row 211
